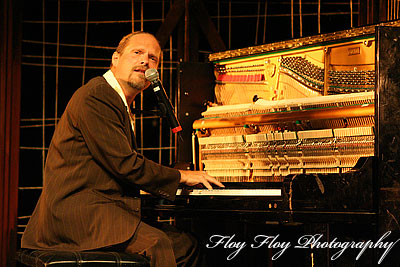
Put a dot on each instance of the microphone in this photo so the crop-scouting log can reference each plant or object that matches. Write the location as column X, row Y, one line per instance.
column 163, row 101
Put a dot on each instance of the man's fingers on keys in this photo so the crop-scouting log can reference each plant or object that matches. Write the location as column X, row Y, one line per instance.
column 207, row 184
column 214, row 181
column 218, row 183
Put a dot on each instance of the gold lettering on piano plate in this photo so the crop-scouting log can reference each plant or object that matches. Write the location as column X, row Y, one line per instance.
column 353, row 51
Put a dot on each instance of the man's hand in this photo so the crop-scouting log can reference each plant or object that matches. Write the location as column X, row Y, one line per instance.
column 192, row 178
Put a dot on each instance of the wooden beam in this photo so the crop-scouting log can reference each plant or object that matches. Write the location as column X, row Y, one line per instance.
column 186, row 34
column 181, row 40
column 194, row 30
column 200, row 13
column 174, row 14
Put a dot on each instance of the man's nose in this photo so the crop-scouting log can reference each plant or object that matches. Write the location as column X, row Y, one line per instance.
column 145, row 59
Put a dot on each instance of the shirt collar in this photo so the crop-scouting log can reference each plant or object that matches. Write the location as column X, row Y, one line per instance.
column 112, row 81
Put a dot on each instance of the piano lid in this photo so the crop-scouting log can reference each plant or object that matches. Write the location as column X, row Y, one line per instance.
column 301, row 42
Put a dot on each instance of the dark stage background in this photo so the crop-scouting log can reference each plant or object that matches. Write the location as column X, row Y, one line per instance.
column 65, row 43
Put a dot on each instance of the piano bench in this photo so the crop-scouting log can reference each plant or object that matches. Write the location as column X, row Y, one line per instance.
column 80, row 258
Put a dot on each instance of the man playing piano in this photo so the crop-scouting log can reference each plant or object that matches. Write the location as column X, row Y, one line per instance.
column 93, row 174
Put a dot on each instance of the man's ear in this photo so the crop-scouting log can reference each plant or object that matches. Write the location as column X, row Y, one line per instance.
column 115, row 58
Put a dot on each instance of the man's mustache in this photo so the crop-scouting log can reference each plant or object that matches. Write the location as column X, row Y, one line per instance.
column 139, row 68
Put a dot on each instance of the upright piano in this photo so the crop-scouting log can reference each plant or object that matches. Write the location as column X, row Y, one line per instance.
column 304, row 131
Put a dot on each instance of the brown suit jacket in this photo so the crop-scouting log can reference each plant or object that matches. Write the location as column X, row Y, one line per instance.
column 93, row 175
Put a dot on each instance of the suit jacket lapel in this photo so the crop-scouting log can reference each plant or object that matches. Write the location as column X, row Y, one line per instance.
column 133, row 137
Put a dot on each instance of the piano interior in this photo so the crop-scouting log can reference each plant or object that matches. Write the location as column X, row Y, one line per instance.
column 305, row 110
column 265, row 141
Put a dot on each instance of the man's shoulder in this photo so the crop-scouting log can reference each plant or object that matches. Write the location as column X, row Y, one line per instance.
column 98, row 87
column 97, row 83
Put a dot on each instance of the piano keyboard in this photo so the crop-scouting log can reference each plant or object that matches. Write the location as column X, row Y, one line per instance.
column 230, row 192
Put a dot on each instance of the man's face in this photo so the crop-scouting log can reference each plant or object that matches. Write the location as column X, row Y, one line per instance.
column 141, row 53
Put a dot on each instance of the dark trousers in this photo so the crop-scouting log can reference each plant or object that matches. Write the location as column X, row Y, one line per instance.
column 165, row 245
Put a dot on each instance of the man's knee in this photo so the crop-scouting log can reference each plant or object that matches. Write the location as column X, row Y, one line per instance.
column 162, row 240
